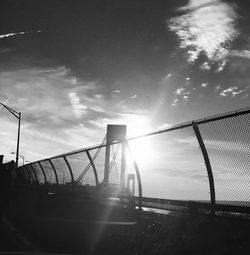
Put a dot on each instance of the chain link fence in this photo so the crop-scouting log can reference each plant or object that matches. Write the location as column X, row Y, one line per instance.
column 172, row 162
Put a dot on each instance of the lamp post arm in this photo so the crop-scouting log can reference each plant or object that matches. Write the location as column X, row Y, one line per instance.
column 12, row 111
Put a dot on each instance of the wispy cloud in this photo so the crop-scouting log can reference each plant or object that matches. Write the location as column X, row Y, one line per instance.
column 100, row 122
column 18, row 33
column 133, row 97
column 240, row 53
column 164, row 125
column 78, row 108
column 208, row 27
column 37, row 154
column 5, row 101
column 190, row 140
column 59, row 112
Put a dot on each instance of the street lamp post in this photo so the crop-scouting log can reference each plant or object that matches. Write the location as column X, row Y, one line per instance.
column 18, row 116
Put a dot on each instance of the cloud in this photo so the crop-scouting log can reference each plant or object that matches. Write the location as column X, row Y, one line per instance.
column 221, row 66
column 60, row 113
column 100, row 122
column 166, row 77
column 42, row 95
column 179, row 91
column 18, row 33
column 133, row 97
column 181, row 95
column 99, row 96
column 164, row 125
column 78, row 108
column 174, row 102
column 190, row 140
column 37, row 154
column 240, row 53
column 204, row 85
column 97, row 109
column 231, row 91
column 195, row 4
column 208, row 27
column 205, row 66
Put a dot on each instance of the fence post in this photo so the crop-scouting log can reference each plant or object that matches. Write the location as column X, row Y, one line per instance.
column 71, row 173
column 29, row 174
column 33, row 170
column 208, row 166
column 137, row 175
column 54, row 169
column 44, row 175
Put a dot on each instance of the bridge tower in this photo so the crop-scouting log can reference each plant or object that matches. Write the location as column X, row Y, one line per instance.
column 115, row 133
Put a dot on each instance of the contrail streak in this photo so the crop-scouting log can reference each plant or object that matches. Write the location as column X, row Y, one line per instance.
column 5, row 101
column 18, row 33
column 37, row 154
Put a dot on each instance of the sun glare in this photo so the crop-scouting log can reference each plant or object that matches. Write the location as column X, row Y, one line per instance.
column 142, row 151
column 141, row 148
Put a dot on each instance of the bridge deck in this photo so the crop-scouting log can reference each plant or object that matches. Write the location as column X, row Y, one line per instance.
column 80, row 223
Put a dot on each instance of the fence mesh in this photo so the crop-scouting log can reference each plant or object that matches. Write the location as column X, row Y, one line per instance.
column 48, row 170
column 38, row 172
column 62, row 170
column 171, row 166
column 99, row 162
column 228, row 145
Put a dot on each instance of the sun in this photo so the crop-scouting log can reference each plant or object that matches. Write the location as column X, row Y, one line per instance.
column 141, row 148
column 142, row 151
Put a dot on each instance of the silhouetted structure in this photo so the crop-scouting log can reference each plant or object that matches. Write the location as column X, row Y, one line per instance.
column 5, row 181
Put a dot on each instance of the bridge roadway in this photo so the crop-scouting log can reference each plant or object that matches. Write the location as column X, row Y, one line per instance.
column 12, row 239
column 84, row 222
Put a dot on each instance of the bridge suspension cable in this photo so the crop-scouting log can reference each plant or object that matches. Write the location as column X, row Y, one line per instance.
column 115, row 153
column 79, row 179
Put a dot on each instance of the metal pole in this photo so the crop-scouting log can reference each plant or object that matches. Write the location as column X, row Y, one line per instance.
column 123, row 165
column 208, row 166
column 34, row 171
column 137, row 171
column 54, row 169
column 18, row 116
column 107, row 161
column 44, row 175
column 18, row 139
column 71, row 173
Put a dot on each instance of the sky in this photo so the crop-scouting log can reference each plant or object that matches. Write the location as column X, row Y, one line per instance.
column 72, row 67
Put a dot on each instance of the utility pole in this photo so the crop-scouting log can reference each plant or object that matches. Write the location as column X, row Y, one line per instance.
column 18, row 116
